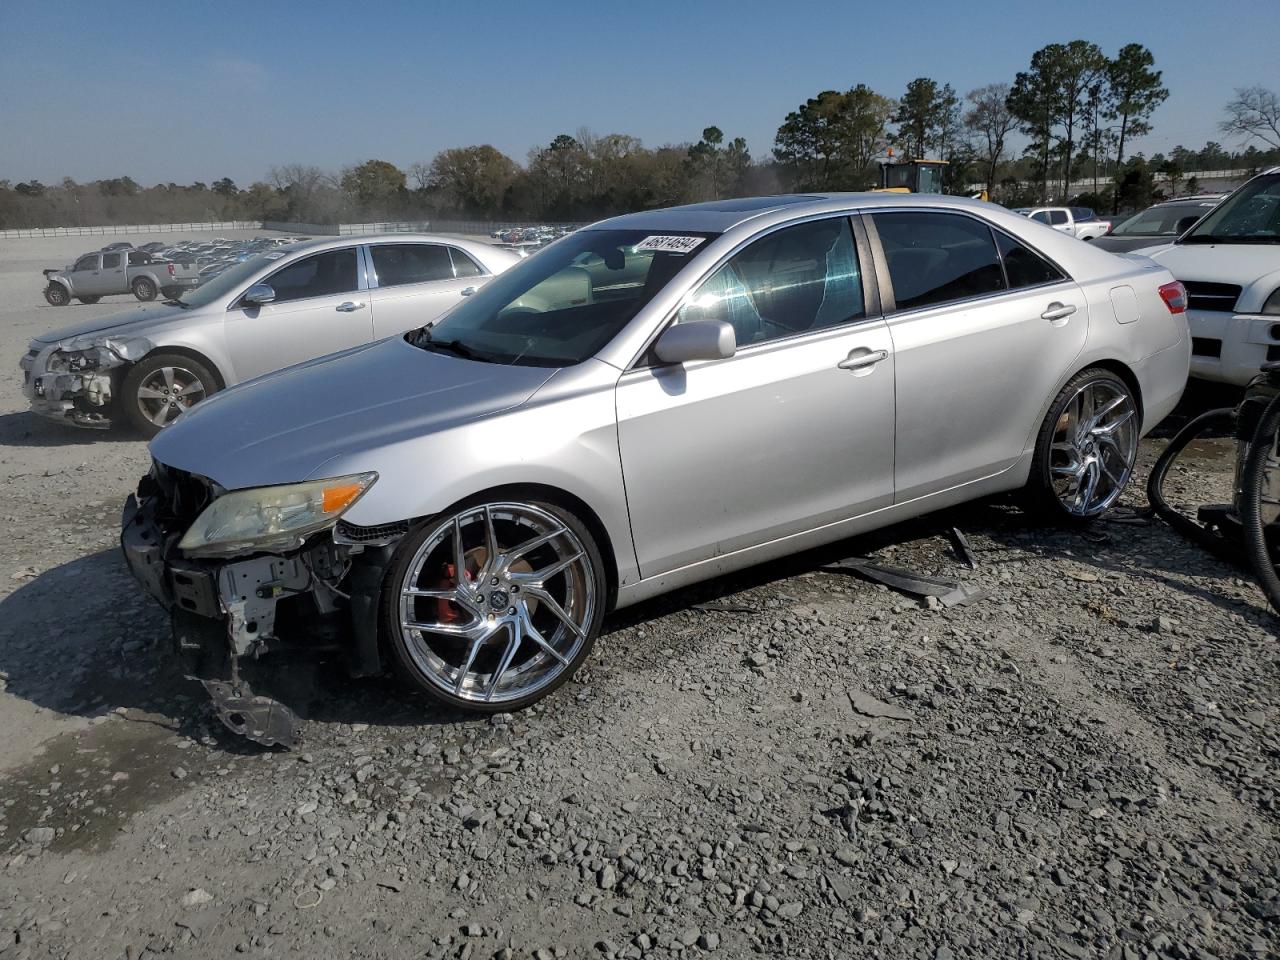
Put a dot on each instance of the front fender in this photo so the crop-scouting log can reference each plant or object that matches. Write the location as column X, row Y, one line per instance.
column 569, row 445
column 61, row 278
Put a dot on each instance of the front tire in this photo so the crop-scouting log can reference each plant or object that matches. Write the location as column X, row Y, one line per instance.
column 144, row 289
column 1086, row 448
column 57, row 295
column 88, row 300
column 515, row 624
column 157, row 388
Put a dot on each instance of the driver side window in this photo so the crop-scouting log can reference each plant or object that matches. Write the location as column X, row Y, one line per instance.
column 87, row 263
column 793, row 281
column 322, row 275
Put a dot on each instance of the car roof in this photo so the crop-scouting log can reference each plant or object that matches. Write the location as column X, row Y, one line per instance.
column 330, row 243
column 720, row 216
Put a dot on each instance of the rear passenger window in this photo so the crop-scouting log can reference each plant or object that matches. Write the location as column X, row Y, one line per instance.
column 1057, row 217
column 110, row 261
column 463, row 265
column 793, row 281
column 1023, row 266
column 938, row 258
column 322, row 275
column 400, row 263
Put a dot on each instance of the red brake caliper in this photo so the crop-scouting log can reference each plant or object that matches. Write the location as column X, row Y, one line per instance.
column 445, row 612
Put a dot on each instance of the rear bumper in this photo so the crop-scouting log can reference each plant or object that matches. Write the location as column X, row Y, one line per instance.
column 1232, row 347
column 1162, row 377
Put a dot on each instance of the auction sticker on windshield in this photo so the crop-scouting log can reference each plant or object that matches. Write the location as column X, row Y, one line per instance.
column 669, row 244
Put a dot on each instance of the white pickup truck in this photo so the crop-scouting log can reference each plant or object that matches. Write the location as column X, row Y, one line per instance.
column 1080, row 222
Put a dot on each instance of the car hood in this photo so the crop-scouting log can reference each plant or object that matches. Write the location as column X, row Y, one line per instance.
column 1240, row 263
column 284, row 427
column 129, row 323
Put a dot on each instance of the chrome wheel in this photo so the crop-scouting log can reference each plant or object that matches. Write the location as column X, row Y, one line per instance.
column 1094, row 446
column 166, row 392
column 497, row 603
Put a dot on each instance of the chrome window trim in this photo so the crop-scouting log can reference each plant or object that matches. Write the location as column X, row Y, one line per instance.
column 638, row 361
column 889, row 301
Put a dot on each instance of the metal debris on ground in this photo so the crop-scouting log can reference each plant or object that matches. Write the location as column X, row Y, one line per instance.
column 949, row 593
column 722, row 607
column 260, row 719
column 964, row 551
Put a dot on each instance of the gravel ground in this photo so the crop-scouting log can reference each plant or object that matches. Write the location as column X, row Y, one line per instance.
column 1084, row 764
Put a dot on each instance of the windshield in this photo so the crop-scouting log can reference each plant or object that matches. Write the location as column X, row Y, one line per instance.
column 225, row 282
column 1250, row 215
column 1159, row 221
column 560, row 306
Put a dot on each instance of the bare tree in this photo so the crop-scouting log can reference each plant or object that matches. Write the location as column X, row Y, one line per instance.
column 990, row 121
column 1254, row 114
column 420, row 174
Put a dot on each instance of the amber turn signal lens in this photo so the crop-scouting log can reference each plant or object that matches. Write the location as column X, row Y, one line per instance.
column 333, row 499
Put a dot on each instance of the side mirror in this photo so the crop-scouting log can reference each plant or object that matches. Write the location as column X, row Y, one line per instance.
column 257, row 295
column 1185, row 224
column 697, row 340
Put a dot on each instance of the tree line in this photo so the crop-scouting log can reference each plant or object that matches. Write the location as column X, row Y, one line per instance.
column 1062, row 129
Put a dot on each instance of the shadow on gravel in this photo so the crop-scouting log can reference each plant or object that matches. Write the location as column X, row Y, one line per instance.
column 82, row 639
column 26, row 429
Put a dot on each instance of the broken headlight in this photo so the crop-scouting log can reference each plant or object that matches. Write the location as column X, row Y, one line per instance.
column 272, row 518
column 74, row 361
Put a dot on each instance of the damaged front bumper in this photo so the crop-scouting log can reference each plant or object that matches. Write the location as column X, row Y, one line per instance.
column 75, row 382
column 226, row 614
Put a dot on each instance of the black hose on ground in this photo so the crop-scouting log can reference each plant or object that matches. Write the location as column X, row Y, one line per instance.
column 1224, row 549
column 1261, row 449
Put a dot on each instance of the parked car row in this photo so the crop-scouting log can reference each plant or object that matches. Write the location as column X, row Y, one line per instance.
column 526, row 240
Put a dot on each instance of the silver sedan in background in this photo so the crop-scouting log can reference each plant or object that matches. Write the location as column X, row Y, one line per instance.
column 654, row 400
column 280, row 307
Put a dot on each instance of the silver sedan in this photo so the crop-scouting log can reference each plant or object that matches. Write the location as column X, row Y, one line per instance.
column 283, row 306
column 658, row 399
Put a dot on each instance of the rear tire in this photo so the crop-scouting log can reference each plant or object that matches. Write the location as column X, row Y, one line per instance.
column 1086, row 448
column 89, row 300
column 144, row 289
column 509, row 636
column 57, row 295
column 159, row 387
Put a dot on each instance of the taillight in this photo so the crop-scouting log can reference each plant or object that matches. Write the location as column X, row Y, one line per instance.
column 1174, row 296
column 172, row 272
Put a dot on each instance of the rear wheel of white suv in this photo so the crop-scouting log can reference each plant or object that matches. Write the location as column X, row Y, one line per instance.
column 493, row 605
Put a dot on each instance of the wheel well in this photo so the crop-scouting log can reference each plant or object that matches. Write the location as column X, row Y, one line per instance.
column 576, row 506
column 1125, row 374
column 195, row 355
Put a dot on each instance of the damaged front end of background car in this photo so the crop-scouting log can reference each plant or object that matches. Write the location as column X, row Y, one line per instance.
column 249, row 572
column 76, row 380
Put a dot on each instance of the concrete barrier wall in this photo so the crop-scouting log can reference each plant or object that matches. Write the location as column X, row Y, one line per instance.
column 129, row 229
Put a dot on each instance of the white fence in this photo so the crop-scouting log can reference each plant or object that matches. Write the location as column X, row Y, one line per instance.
column 128, row 229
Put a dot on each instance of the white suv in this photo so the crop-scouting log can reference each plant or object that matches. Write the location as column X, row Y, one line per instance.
column 1230, row 264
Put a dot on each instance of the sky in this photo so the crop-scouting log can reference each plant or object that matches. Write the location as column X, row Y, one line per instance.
column 197, row 91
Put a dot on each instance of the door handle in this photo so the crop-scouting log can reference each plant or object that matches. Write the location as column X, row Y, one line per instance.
column 856, row 360
column 350, row 306
column 467, row 291
column 1058, row 311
